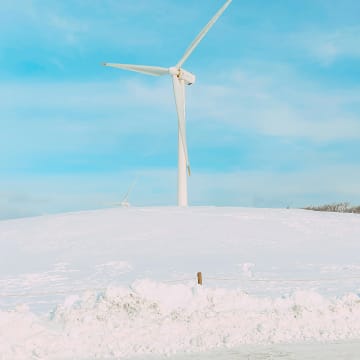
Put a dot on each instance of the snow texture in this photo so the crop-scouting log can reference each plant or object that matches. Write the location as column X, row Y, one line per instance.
column 121, row 283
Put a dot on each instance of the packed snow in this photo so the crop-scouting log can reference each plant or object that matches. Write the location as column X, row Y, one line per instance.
column 121, row 283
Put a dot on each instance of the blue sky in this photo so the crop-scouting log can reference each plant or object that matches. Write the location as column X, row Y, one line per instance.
column 273, row 120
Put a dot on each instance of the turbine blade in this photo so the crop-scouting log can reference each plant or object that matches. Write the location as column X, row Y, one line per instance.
column 148, row 70
column 179, row 91
column 201, row 35
column 126, row 196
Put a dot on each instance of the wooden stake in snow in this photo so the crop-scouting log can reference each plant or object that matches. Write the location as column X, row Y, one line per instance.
column 199, row 278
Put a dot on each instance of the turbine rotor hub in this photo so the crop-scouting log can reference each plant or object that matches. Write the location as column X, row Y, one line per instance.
column 174, row 71
column 182, row 74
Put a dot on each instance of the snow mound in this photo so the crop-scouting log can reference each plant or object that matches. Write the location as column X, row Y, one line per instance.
column 156, row 318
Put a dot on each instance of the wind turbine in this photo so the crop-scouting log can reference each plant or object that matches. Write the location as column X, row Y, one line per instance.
column 180, row 78
column 125, row 200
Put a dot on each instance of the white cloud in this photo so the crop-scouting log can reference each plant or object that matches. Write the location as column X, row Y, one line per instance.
column 280, row 104
column 70, row 29
column 329, row 46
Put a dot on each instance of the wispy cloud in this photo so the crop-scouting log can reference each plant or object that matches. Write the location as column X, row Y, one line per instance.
column 282, row 104
column 112, row 117
column 327, row 47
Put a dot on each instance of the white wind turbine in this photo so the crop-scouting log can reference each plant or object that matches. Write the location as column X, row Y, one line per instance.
column 125, row 200
column 180, row 78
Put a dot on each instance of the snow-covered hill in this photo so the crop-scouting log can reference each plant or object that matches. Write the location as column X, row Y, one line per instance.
column 121, row 282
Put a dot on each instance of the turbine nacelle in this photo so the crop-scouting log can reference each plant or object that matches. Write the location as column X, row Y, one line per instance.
column 182, row 74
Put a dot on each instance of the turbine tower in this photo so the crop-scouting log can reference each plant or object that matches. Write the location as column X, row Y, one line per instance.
column 180, row 78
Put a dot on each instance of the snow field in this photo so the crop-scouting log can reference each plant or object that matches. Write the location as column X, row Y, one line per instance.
column 43, row 259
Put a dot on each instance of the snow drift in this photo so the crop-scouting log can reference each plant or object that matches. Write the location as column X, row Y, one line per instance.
column 154, row 318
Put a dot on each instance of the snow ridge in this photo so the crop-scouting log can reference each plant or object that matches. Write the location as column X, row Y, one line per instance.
column 156, row 318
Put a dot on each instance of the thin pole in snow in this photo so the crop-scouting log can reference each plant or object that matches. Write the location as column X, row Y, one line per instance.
column 199, row 278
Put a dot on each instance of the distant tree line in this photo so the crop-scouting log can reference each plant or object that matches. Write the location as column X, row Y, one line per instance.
column 343, row 207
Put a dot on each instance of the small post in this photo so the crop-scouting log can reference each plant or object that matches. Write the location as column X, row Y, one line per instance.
column 199, row 278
